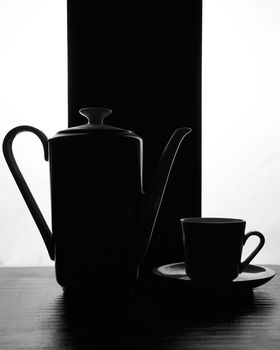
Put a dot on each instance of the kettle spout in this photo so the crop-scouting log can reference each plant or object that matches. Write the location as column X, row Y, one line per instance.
column 152, row 199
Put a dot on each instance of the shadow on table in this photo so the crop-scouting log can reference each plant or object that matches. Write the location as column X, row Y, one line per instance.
column 89, row 323
column 153, row 319
column 192, row 320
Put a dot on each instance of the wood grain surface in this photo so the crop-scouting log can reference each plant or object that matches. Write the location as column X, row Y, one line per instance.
column 34, row 314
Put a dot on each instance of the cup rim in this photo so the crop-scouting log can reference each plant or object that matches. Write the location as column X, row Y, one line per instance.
column 211, row 220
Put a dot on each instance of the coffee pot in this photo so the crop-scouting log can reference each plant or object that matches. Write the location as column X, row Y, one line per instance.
column 102, row 220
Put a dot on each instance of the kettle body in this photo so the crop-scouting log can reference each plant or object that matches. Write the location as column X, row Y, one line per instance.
column 95, row 193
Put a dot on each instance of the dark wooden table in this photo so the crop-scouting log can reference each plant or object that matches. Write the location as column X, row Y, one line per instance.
column 34, row 314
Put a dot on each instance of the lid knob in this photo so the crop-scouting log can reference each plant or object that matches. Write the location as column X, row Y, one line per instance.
column 95, row 115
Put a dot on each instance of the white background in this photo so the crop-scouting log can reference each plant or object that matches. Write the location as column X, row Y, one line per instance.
column 241, row 115
column 33, row 91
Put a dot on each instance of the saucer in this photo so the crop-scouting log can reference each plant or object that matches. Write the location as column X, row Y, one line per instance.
column 253, row 276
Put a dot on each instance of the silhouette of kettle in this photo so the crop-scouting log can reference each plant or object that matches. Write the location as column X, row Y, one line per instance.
column 102, row 220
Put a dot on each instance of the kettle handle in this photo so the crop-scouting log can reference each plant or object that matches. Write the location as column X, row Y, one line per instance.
column 22, row 185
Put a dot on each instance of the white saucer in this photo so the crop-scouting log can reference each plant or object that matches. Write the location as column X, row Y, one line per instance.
column 253, row 276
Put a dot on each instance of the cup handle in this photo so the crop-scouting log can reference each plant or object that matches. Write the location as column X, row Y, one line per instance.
column 244, row 263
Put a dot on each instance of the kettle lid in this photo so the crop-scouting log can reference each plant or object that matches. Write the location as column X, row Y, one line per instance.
column 95, row 116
